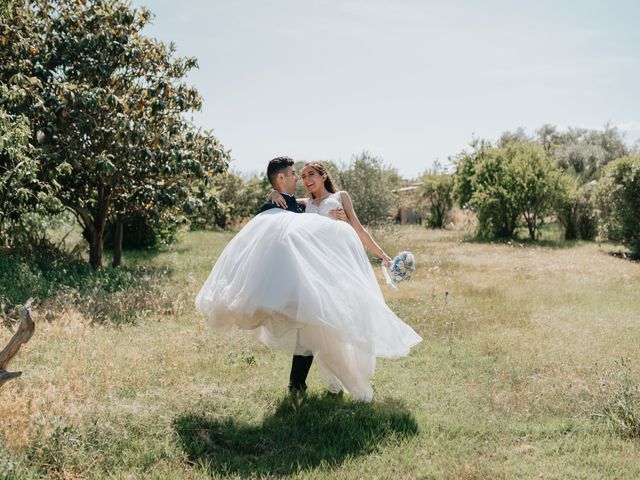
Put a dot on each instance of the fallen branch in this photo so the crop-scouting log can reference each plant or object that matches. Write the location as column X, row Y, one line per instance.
column 22, row 336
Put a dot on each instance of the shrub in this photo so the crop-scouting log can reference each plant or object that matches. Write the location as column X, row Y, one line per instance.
column 483, row 182
column 229, row 199
column 112, row 296
column 618, row 203
column 576, row 210
column 505, row 184
column 436, row 197
column 371, row 185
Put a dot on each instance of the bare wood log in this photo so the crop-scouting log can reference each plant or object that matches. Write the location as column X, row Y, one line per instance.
column 22, row 336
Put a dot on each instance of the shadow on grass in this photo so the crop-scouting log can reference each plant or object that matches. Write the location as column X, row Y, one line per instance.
column 622, row 255
column 324, row 431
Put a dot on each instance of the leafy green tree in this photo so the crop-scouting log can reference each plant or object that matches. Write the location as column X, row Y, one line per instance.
column 581, row 153
column 21, row 191
column 493, row 196
column 484, row 183
column 618, row 201
column 505, row 184
column 229, row 199
column 575, row 208
column 242, row 197
column 16, row 169
column 435, row 196
column 5, row 7
column 537, row 183
column 109, row 120
column 371, row 185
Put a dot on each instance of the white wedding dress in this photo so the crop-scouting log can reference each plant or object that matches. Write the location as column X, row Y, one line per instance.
column 303, row 284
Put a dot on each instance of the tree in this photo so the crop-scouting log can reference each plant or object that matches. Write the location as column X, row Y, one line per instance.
column 575, row 208
column 436, row 196
column 110, row 126
column 505, row 184
column 5, row 7
column 484, row 183
column 229, row 199
column 21, row 191
column 371, row 185
column 536, row 184
column 17, row 171
column 582, row 151
column 618, row 202
column 517, row 136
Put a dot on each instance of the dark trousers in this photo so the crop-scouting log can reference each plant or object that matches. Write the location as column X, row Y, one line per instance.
column 300, row 366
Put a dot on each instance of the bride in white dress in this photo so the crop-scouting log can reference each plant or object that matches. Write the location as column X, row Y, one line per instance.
column 304, row 284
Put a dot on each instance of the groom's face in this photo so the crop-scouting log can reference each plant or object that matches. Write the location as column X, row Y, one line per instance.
column 289, row 180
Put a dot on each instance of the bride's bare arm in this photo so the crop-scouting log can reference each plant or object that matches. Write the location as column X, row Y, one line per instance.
column 365, row 237
column 278, row 199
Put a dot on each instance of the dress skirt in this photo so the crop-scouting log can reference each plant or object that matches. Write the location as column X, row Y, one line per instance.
column 304, row 285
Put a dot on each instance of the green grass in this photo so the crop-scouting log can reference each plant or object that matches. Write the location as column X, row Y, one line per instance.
column 519, row 376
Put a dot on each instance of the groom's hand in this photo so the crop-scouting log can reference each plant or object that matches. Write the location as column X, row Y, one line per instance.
column 338, row 214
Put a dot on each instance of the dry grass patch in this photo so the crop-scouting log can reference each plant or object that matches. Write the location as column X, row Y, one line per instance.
column 517, row 342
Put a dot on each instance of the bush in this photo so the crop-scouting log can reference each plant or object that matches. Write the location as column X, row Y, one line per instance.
column 113, row 296
column 576, row 211
column 228, row 200
column 505, row 184
column 436, row 198
column 371, row 185
column 483, row 182
column 618, row 203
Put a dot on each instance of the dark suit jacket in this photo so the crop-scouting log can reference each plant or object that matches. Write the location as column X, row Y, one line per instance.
column 292, row 205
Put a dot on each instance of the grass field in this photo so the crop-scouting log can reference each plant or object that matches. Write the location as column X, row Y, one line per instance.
column 519, row 376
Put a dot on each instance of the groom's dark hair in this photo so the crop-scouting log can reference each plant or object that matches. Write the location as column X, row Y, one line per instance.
column 277, row 165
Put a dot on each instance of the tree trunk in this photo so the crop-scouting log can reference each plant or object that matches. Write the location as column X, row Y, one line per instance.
column 531, row 225
column 22, row 336
column 96, row 247
column 117, row 242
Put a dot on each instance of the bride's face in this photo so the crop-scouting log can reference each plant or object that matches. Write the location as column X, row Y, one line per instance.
column 312, row 180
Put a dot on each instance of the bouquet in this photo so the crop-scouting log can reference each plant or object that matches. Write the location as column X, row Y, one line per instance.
column 402, row 266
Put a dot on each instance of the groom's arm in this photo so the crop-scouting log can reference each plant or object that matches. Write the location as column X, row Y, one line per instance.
column 268, row 206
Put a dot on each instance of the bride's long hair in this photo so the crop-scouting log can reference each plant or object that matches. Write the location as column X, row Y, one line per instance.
column 328, row 183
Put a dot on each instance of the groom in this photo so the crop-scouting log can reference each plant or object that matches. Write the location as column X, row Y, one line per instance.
column 283, row 178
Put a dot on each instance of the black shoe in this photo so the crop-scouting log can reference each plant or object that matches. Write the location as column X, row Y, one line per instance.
column 297, row 397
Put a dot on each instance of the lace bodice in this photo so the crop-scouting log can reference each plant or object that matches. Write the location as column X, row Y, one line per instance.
column 332, row 202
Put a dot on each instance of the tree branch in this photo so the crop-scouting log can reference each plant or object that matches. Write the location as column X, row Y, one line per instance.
column 22, row 336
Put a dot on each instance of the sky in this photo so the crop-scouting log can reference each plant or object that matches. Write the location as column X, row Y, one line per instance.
column 409, row 81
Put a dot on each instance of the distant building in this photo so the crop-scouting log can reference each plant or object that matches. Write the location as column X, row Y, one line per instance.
column 407, row 200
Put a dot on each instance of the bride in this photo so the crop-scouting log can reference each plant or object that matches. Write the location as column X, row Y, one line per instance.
column 304, row 284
